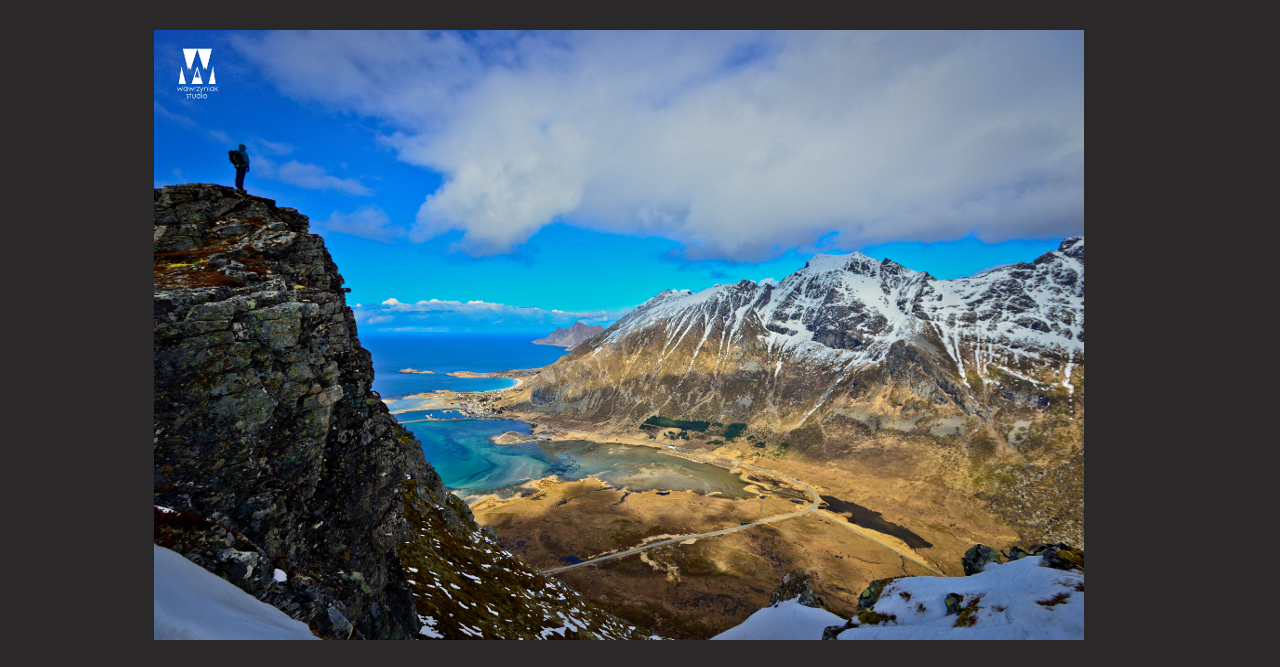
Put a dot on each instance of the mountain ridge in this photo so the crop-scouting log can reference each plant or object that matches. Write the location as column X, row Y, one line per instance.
column 570, row 337
column 845, row 312
column 848, row 351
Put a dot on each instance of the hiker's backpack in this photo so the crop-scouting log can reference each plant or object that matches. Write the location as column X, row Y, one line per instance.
column 235, row 157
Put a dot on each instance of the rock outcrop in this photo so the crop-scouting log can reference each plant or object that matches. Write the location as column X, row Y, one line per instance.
column 795, row 586
column 280, row 470
column 977, row 558
column 571, row 337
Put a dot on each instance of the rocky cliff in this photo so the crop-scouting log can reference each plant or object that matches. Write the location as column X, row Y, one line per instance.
column 280, row 470
column 571, row 337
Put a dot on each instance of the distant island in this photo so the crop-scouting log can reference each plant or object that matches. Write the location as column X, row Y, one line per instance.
column 571, row 337
column 410, row 370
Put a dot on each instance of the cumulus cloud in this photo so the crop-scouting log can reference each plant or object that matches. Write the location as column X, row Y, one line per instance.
column 475, row 313
column 738, row 145
column 370, row 222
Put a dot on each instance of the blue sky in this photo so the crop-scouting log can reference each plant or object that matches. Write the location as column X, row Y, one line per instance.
column 526, row 180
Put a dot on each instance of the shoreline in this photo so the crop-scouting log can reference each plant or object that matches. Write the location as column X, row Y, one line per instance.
column 453, row 395
column 431, row 394
column 785, row 488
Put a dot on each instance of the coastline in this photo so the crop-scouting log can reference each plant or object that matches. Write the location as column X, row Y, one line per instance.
column 786, row 497
column 476, row 404
column 743, row 469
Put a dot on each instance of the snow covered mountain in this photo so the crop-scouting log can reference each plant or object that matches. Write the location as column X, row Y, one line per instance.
column 838, row 327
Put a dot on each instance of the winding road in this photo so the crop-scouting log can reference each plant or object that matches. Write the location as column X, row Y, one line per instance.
column 812, row 508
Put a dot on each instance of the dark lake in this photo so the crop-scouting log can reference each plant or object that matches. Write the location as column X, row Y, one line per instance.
column 872, row 519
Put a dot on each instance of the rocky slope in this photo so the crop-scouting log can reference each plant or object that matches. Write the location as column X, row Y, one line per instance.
column 278, row 469
column 571, row 337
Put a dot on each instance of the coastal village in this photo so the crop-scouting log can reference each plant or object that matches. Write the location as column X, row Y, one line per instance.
column 463, row 404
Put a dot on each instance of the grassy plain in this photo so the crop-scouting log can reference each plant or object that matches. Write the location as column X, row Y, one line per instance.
column 697, row 588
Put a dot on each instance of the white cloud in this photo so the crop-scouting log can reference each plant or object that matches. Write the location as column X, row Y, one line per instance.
column 270, row 147
column 311, row 176
column 444, row 312
column 370, row 222
column 738, row 145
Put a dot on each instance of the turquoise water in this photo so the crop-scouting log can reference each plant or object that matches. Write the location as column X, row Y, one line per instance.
column 470, row 462
column 467, row 460
column 434, row 414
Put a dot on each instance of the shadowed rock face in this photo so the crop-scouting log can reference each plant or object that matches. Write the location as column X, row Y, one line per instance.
column 273, row 453
column 264, row 421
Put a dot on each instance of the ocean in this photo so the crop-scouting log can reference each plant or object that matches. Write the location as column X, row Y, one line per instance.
column 447, row 353
column 469, row 462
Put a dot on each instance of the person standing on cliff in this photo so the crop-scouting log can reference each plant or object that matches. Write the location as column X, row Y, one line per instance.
column 240, row 158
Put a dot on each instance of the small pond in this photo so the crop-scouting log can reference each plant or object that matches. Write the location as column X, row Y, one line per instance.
column 872, row 519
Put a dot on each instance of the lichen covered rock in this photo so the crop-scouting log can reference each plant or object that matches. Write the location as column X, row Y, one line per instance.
column 977, row 557
column 1061, row 557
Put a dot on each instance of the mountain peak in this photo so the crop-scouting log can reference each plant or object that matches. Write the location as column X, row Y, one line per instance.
column 823, row 262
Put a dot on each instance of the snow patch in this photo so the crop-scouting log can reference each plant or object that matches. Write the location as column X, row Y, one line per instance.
column 189, row 602
column 1015, row 600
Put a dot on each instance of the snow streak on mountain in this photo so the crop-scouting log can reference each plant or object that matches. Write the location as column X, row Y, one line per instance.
column 832, row 332
column 850, row 309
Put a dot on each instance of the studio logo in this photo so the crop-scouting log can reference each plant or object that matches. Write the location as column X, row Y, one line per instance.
column 197, row 69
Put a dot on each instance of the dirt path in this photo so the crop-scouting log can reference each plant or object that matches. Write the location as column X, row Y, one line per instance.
column 813, row 507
